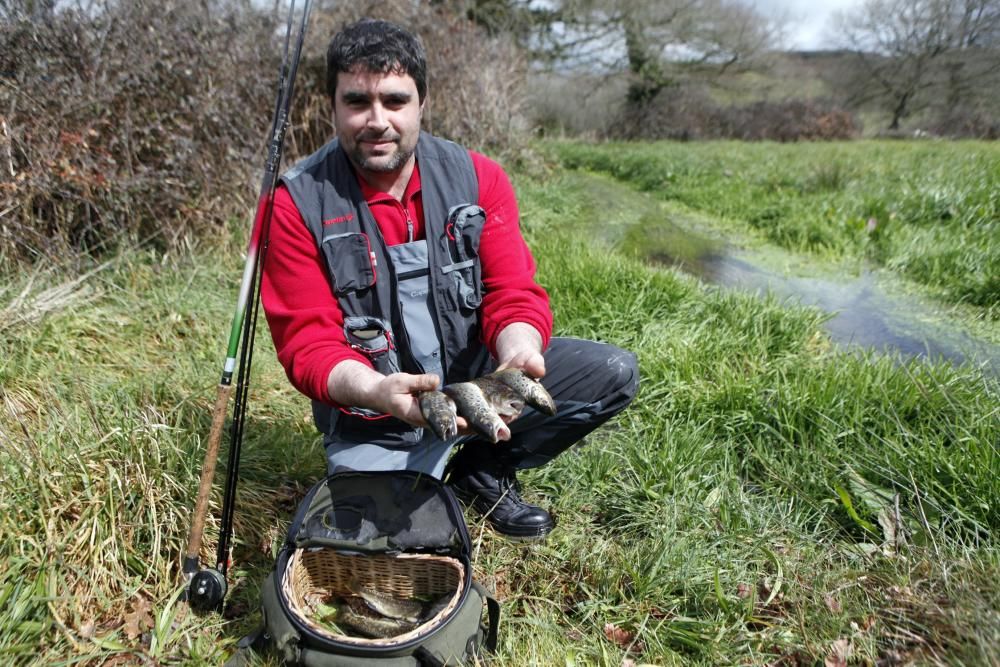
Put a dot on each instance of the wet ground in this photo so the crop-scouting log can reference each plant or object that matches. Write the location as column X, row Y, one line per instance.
column 863, row 314
column 866, row 310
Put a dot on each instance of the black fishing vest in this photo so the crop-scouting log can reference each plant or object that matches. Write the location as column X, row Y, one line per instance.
column 434, row 286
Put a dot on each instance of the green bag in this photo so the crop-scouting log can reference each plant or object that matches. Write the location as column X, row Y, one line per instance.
column 398, row 534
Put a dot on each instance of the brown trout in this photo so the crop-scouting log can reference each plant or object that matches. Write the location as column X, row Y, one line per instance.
column 439, row 411
column 375, row 614
column 354, row 613
column 484, row 402
column 528, row 388
column 386, row 605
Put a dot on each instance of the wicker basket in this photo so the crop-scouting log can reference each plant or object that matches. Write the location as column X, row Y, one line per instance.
column 326, row 573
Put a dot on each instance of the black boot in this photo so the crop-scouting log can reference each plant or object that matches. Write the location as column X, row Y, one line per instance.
column 491, row 488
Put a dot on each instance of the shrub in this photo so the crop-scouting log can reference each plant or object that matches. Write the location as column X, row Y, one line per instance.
column 146, row 121
column 787, row 120
column 130, row 121
column 965, row 123
column 686, row 114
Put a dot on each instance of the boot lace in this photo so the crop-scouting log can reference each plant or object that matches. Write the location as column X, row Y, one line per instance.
column 509, row 488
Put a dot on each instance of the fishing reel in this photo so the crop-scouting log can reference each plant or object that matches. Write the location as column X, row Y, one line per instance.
column 206, row 589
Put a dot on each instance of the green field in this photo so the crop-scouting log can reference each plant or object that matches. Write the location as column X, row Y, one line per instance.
column 929, row 211
column 767, row 499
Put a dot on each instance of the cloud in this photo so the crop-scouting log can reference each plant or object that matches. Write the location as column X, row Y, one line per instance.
column 808, row 20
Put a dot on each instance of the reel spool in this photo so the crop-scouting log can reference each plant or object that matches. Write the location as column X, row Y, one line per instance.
column 207, row 589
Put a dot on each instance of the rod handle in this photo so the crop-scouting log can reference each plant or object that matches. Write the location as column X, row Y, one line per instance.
column 207, row 475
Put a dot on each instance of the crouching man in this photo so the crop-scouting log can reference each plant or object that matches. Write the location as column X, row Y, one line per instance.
column 396, row 264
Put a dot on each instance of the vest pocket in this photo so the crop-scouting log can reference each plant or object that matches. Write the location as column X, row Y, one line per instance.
column 372, row 337
column 350, row 262
column 465, row 228
column 466, row 290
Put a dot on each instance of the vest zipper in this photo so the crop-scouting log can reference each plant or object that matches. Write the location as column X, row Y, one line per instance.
column 409, row 225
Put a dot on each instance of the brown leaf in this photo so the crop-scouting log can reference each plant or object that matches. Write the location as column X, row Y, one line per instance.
column 139, row 619
column 840, row 651
column 624, row 639
column 832, row 603
column 658, row 613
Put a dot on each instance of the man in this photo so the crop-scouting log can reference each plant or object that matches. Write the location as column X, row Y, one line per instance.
column 395, row 264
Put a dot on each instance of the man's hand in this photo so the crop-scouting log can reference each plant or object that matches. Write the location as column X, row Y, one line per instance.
column 519, row 345
column 355, row 384
column 396, row 395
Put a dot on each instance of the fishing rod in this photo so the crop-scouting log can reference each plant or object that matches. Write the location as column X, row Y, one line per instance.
column 207, row 587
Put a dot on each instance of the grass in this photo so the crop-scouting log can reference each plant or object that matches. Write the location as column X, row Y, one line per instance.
column 766, row 499
column 929, row 211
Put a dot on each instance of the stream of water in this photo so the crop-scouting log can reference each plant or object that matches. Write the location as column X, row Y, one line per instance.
column 864, row 313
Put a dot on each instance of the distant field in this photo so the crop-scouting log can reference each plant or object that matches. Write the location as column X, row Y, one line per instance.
column 766, row 499
column 926, row 210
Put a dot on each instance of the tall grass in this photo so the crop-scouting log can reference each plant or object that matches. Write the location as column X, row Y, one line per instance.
column 928, row 210
column 766, row 499
column 104, row 407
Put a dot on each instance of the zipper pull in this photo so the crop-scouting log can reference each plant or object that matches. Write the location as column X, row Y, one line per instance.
column 409, row 225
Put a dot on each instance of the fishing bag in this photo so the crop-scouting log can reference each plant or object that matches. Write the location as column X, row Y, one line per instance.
column 400, row 533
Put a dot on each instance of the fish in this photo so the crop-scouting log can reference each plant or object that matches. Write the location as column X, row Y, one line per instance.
column 376, row 614
column 440, row 412
column 355, row 614
column 528, row 388
column 403, row 609
column 484, row 402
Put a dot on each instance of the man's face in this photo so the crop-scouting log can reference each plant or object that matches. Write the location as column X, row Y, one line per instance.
column 377, row 118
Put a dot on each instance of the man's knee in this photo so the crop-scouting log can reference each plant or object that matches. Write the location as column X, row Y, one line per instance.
column 623, row 373
column 611, row 372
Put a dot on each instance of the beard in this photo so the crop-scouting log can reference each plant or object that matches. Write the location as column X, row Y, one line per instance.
column 382, row 162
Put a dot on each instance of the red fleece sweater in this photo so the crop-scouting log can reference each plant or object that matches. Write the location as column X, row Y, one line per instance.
column 305, row 319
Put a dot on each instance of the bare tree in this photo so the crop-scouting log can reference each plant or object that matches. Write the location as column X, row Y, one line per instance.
column 916, row 53
column 36, row 10
column 658, row 43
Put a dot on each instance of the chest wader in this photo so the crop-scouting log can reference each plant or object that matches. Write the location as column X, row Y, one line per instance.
column 410, row 265
column 411, row 307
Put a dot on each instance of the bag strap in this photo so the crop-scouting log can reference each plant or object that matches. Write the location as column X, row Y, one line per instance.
column 427, row 659
column 255, row 642
column 492, row 615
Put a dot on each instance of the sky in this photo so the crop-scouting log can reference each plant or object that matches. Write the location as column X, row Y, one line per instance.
column 808, row 19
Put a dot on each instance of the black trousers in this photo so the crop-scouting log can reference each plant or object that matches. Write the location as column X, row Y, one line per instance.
column 590, row 382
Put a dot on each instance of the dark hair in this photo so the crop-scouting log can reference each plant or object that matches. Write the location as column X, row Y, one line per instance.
column 376, row 46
